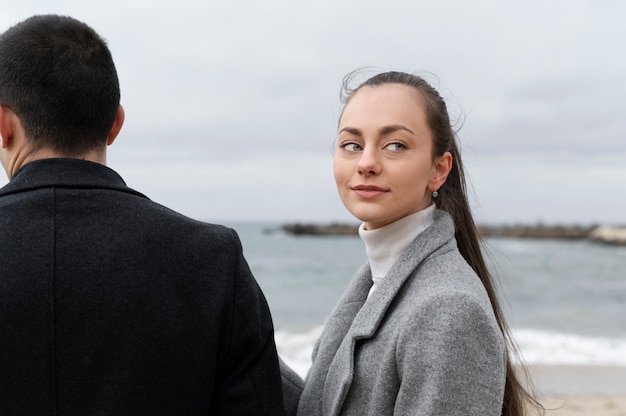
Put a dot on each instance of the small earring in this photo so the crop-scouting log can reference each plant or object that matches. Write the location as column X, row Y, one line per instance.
column 435, row 194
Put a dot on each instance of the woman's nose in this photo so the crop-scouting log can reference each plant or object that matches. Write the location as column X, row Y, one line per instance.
column 369, row 163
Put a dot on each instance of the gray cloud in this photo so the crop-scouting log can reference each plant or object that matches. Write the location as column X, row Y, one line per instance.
column 233, row 105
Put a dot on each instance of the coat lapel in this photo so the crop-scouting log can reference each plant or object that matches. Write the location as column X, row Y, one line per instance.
column 338, row 342
column 369, row 317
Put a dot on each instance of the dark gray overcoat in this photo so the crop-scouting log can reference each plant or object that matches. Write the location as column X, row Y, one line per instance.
column 111, row 304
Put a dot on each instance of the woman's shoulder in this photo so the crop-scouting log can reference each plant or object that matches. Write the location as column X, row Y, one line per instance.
column 445, row 282
column 445, row 270
column 450, row 304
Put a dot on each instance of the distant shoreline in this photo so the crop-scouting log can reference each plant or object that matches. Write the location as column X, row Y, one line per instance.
column 613, row 235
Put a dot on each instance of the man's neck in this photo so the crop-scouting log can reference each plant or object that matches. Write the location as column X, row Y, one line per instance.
column 20, row 159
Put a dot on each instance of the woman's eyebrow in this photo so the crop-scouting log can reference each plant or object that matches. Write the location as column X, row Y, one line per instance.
column 393, row 128
column 352, row 130
column 382, row 131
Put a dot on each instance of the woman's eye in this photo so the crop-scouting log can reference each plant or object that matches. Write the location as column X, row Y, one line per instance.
column 351, row 147
column 396, row 147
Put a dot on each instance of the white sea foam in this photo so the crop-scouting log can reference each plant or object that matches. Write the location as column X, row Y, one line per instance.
column 296, row 348
column 544, row 347
column 536, row 347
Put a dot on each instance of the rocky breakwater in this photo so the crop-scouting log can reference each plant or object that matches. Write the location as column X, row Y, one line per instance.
column 614, row 235
column 568, row 232
column 321, row 229
column 605, row 234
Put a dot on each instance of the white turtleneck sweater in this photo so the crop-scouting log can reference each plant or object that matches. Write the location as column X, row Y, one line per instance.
column 384, row 245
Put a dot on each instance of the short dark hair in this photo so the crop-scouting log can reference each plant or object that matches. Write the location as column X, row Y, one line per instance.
column 58, row 76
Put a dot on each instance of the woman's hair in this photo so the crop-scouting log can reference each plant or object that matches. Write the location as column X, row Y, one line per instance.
column 453, row 199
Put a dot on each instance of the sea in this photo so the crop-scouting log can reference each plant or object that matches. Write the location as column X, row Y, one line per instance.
column 564, row 300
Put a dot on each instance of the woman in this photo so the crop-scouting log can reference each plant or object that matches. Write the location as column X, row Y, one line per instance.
column 418, row 330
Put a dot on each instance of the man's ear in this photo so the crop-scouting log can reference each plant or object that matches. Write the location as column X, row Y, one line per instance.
column 117, row 125
column 441, row 170
column 6, row 126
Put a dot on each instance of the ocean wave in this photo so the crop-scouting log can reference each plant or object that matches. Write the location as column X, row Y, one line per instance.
column 536, row 347
column 296, row 348
column 552, row 348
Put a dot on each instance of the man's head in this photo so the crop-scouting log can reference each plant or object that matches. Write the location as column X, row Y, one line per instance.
column 58, row 78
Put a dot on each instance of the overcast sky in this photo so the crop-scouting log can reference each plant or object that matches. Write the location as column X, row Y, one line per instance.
column 231, row 106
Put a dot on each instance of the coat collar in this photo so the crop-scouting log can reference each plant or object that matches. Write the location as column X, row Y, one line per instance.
column 65, row 173
column 358, row 317
column 368, row 319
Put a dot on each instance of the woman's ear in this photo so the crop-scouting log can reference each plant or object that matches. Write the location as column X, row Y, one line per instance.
column 117, row 125
column 441, row 170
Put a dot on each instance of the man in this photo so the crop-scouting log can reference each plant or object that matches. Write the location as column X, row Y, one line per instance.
column 110, row 304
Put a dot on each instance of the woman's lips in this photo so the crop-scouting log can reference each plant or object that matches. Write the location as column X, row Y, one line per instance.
column 368, row 191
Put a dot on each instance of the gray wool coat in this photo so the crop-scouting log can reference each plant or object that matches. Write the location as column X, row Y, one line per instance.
column 426, row 342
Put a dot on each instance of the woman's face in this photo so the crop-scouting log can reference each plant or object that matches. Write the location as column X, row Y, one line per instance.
column 383, row 162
